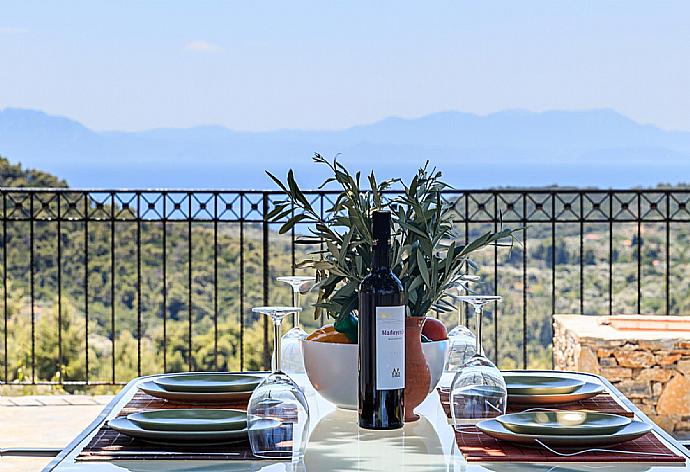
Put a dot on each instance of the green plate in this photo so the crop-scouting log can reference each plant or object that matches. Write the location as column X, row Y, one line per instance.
column 208, row 383
column 157, row 391
column 540, row 384
column 130, row 428
column 563, row 422
column 588, row 390
column 634, row 430
column 192, row 419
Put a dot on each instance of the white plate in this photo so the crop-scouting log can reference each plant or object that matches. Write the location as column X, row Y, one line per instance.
column 634, row 430
column 157, row 391
column 588, row 390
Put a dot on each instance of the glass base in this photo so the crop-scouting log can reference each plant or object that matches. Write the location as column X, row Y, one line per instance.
column 295, row 333
column 460, row 330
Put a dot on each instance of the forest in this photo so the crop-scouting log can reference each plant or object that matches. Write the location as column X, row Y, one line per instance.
column 175, row 296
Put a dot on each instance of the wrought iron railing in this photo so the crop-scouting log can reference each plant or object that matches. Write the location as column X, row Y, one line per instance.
column 101, row 285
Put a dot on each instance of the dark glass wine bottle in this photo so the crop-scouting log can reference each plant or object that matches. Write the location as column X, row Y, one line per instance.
column 381, row 337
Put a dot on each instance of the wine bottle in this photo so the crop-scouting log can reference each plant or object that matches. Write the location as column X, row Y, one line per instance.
column 381, row 336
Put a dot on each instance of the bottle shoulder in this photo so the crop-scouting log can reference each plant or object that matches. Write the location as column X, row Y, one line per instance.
column 381, row 281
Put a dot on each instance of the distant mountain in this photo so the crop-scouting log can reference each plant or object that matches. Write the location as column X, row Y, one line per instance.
column 510, row 148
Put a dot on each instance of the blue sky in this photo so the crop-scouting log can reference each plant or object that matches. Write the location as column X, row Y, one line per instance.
column 133, row 65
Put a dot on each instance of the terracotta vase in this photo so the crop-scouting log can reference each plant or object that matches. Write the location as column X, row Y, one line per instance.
column 417, row 375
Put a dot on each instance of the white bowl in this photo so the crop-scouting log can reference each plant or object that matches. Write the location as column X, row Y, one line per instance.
column 332, row 369
column 436, row 353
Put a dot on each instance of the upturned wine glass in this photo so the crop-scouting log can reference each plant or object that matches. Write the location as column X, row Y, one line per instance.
column 461, row 288
column 278, row 412
column 462, row 343
column 293, row 360
column 478, row 389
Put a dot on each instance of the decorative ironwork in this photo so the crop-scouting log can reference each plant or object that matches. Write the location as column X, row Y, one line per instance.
column 534, row 210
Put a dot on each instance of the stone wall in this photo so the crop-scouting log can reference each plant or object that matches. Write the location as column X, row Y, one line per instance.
column 653, row 372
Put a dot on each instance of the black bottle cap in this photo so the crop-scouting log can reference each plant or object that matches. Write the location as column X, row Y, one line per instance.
column 381, row 226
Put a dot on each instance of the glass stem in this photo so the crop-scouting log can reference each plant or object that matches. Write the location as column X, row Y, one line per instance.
column 276, row 343
column 295, row 303
column 478, row 314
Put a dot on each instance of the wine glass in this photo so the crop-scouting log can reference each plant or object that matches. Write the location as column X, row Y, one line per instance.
column 462, row 342
column 278, row 412
column 461, row 287
column 293, row 360
column 478, row 389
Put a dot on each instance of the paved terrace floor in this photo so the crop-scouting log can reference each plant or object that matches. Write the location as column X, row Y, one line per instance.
column 43, row 421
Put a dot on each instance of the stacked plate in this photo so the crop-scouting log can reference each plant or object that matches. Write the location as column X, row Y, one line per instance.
column 548, row 389
column 202, row 387
column 564, row 428
column 205, row 427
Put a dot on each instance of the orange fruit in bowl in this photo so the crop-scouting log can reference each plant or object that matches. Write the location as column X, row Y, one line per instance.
column 328, row 334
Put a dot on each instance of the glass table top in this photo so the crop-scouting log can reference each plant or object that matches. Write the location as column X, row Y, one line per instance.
column 336, row 443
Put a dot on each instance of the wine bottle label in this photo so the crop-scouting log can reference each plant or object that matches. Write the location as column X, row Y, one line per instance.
column 390, row 347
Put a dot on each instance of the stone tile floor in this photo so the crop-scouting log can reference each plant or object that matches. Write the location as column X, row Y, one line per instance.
column 43, row 421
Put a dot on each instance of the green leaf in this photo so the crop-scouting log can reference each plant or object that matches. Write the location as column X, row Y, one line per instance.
column 416, row 283
column 449, row 258
column 345, row 248
column 279, row 216
column 322, row 265
column 333, row 248
column 307, row 240
column 413, row 228
column 423, row 269
column 289, row 224
column 277, row 181
column 359, row 264
column 326, row 182
column 296, row 193
column 472, row 264
column 276, row 210
column 478, row 243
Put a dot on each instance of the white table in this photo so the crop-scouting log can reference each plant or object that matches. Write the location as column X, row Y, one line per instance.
column 336, row 443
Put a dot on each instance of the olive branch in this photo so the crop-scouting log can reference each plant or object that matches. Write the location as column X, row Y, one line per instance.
column 427, row 254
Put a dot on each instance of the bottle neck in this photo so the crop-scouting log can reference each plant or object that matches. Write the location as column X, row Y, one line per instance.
column 380, row 260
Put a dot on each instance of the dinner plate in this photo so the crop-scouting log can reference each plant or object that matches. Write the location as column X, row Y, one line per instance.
column 588, row 390
column 190, row 419
column 212, row 382
column 563, row 422
column 130, row 428
column 634, row 430
column 156, row 390
column 540, row 384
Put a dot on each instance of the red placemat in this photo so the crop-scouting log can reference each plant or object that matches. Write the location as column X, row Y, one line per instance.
column 479, row 447
column 602, row 403
column 109, row 445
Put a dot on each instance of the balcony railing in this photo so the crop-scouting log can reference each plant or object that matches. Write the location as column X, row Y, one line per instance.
column 99, row 286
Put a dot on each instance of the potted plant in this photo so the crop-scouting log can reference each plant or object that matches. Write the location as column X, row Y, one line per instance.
column 427, row 254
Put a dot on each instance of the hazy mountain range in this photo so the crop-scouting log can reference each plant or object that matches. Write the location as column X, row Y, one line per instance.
column 511, row 148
